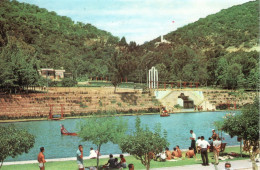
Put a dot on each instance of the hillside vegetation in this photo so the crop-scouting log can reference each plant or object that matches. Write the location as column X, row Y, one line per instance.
column 216, row 50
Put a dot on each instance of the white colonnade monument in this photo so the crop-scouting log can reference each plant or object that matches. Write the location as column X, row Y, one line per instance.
column 153, row 78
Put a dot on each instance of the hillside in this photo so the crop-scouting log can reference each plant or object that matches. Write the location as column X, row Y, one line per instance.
column 42, row 39
column 217, row 50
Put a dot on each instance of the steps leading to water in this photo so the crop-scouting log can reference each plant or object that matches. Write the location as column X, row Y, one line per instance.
column 75, row 101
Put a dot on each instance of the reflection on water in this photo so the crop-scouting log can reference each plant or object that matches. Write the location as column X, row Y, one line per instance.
column 47, row 133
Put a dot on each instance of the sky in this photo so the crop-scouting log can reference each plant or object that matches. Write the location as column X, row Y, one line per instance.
column 136, row 20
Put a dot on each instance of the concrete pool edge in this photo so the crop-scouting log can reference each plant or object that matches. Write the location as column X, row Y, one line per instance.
column 133, row 114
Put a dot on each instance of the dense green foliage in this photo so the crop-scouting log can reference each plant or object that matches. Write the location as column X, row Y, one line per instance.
column 142, row 142
column 217, row 50
column 245, row 126
column 14, row 142
column 102, row 130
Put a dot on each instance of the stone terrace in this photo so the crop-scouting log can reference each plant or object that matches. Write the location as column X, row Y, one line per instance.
column 218, row 97
column 75, row 101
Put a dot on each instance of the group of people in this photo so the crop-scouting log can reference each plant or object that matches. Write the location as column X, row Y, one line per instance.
column 113, row 163
column 167, row 154
column 202, row 146
column 200, row 108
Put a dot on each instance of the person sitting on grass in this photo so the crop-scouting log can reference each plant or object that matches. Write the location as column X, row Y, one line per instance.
column 122, row 161
column 92, row 154
column 162, row 156
column 174, row 153
column 179, row 151
column 110, row 163
column 168, row 154
column 190, row 153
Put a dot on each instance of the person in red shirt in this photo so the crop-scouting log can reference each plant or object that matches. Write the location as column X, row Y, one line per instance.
column 122, row 161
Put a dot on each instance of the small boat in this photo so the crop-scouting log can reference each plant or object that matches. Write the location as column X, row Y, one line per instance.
column 164, row 112
column 70, row 134
column 164, row 115
column 64, row 131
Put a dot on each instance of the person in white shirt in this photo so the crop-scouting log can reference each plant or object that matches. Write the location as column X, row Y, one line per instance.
column 197, row 144
column 204, row 151
column 92, row 154
column 193, row 141
column 216, row 149
column 163, row 156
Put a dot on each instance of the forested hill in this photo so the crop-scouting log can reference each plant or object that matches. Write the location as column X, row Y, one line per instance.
column 217, row 50
column 42, row 39
column 235, row 27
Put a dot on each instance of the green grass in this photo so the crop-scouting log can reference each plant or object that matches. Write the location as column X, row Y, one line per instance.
column 71, row 165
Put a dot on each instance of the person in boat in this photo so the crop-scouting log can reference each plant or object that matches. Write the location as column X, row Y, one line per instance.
column 92, row 154
column 63, row 130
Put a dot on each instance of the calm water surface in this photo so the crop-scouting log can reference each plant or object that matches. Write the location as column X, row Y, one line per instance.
column 47, row 133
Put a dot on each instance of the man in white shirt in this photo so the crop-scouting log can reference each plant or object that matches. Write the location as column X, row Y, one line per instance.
column 197, row 144
column 204, row 151
column 193, row 141
column 216, row 149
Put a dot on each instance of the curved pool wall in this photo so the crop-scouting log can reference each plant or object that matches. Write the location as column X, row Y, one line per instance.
column 47, row 133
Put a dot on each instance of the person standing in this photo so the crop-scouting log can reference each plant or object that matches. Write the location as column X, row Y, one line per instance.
column 41, row 159
column 216, row 149
column 197, row 144
column 204, row 151
column 193, row 141
column 80, row 158
column 214, row 134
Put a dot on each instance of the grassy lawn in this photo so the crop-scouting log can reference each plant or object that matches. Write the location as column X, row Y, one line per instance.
column 71, row 165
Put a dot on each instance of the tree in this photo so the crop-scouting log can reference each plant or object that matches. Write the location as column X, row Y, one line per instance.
column 143, row 141
column 122, row 42
column 108, row 129
column 246, row 126
column 14, row 142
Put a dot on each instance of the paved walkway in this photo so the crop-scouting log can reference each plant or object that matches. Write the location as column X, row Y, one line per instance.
column 57, row 159
column 235, row 165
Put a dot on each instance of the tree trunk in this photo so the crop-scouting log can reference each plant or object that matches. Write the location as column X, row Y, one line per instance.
column 147, row 160
column 115, row 90
column 1, row 163
column 241, row 147
column 98, row 146
column 252, row 157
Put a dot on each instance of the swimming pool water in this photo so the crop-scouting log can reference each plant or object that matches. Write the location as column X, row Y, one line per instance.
column 178, row 125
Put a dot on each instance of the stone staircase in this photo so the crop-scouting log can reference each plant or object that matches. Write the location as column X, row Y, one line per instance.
column 208, row 99
column 75, row 101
